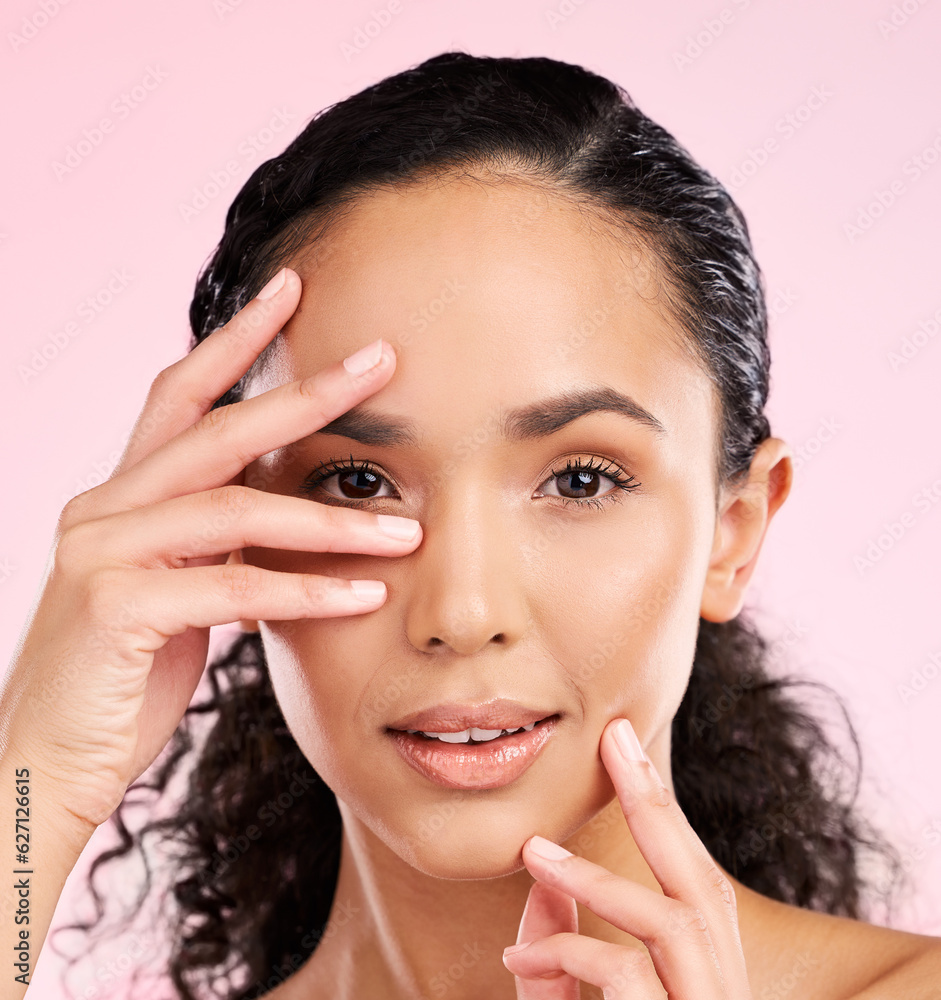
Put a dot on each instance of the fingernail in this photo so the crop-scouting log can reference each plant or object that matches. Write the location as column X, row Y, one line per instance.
column 626, row 741
column 403, row 528
column 368, row 590
column 548, row 850
column 274, row 285
column 364, row 359
column 514, row 948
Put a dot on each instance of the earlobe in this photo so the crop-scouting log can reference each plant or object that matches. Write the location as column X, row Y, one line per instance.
column 245, row 624
column 741, row 523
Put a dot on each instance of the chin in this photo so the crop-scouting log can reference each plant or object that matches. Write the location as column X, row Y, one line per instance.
column 463, row 857
column 480, row 840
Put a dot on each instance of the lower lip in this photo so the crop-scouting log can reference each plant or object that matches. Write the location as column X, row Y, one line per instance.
column 474, row 765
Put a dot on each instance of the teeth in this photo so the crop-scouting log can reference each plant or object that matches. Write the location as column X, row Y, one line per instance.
column 478, row 735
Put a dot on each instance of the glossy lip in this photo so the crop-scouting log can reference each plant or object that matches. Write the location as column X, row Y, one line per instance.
column 455, row 717
column 474, row 765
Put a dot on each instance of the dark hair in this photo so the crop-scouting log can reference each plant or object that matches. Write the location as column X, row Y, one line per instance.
column 751, row 766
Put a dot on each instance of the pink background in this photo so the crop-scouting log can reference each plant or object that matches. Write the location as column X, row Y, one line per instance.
column 863, row 149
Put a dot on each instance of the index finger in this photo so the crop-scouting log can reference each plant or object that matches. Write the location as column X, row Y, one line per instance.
column 670, row 846
column 186, row 390
column 220, row 445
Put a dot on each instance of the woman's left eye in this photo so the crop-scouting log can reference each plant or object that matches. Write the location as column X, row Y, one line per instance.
column 580, row 478
column 579, row 482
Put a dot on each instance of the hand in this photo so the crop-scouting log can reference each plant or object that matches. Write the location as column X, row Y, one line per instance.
column 693, row 951
column 138, row 572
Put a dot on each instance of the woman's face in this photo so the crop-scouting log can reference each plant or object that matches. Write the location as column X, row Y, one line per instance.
column 498, row 298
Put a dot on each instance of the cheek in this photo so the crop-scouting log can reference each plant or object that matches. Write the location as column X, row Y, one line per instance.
column 318, row 690
column 631, row 598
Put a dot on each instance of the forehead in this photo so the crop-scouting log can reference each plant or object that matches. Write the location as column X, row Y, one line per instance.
column 501, row 291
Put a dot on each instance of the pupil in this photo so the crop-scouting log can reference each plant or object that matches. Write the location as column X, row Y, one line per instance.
column 579, row 480
column 364, row 480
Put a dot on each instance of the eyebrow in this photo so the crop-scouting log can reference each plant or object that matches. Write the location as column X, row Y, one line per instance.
column 535, row 420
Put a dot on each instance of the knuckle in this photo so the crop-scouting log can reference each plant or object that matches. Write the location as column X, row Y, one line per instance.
column 719, row 885
column 687, row 920
column 312, row 391
column 657, row 794
column 75, row 511
column 240, row 581
column 75, row 542
column 106, row 591
column 631, row 964
column 171, row 382
column 217, row 422
column 174, row 387
column 231, row 503
column 164, row 377
column 317, row 590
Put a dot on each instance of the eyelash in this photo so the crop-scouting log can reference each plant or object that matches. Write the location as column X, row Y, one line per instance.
column 623, row 481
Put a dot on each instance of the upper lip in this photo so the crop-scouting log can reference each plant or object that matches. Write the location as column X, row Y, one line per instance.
column 454, row 717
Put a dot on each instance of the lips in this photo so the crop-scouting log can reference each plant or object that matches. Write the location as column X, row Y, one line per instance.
column 455, row 717
column 477, row 766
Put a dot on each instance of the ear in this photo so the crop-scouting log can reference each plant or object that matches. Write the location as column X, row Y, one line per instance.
column 247, row 626
column 743, row 517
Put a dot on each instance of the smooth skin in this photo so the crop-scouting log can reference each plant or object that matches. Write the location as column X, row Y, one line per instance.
column 509, row 593
column 144, row 564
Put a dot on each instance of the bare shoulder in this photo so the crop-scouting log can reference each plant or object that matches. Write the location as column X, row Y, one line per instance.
column 917, row 976
column 793, row 952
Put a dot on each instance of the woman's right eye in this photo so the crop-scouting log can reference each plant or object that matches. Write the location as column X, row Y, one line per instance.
column 356, row 480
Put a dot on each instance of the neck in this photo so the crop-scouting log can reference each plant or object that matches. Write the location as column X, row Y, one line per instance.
column 399, row 933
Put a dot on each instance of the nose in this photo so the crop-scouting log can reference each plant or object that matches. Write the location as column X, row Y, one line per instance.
column 468, row 589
